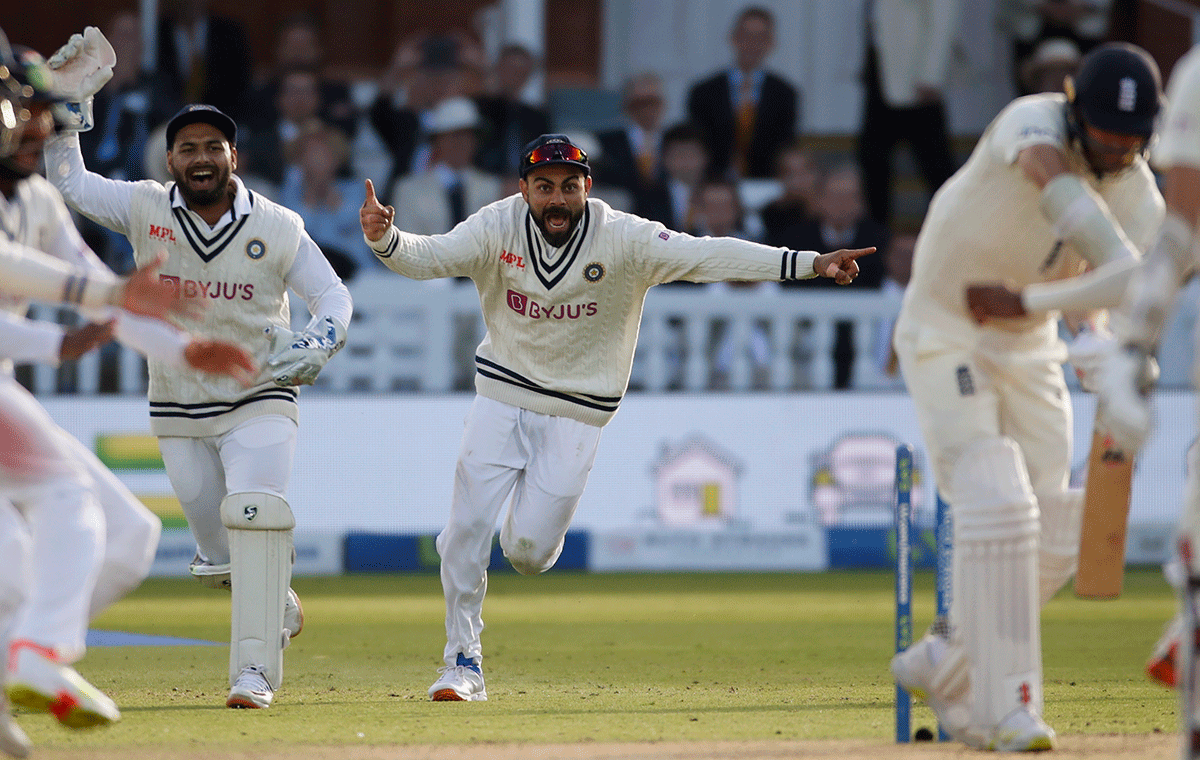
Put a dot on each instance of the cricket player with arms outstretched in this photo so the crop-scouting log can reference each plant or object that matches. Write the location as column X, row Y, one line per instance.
column 1131, row 371
column 561, row 278
column 73, row 538
column 228, row 450
column 1058, row 184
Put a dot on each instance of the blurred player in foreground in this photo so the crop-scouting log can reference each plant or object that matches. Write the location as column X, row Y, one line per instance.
column 1130, row 372
column 561, row 278
column 73, row 539
column 228, row 449
column 1058, row 183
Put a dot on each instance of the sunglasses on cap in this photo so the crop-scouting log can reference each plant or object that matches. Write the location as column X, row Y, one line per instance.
column 555, row 152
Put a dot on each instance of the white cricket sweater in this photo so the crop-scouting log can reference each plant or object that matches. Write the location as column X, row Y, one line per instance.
column 562, row 324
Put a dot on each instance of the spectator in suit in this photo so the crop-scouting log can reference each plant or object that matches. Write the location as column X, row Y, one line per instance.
column 685, row 164
column 630, row 157
column 298, row 112
column 434, row 201
column 907, row 67
column 747, row 114
column 841, row 216
column 719, row 208
column 424, row 70
column 204, row 58
column 316, row 189
column 1030, row 22
column 298, row 45
column 510, row 121
column 125, row 112
column 799, row 176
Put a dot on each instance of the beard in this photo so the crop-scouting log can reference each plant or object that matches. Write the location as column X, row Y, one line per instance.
column 203, row 197
column 556, row 238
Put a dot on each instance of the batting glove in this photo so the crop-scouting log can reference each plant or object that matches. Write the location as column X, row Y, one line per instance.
column 1087, row 355
column 1127, row 377
column 297, row 358
column 81, row 68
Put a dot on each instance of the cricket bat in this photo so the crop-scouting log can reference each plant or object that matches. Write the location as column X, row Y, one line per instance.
column 1105, row 519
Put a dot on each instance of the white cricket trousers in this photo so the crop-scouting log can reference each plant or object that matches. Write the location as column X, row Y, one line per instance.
column 963, row 396
column 543, row 463
column 72, row 537
column 255, row 456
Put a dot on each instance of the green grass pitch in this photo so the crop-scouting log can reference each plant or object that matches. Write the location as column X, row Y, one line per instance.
column 581, row 658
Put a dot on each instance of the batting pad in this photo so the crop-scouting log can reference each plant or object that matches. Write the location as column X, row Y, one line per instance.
column 996, row 580
column 1058, row 555
column 260, row 550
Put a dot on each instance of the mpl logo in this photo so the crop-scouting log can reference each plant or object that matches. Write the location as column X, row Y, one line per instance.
column 162, row 233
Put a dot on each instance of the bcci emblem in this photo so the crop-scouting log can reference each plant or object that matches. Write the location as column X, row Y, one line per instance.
column 250, row 513
column 593, row 272
column 256, row 249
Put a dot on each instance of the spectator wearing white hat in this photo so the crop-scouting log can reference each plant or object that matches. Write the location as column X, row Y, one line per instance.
column 434, row 201
column 1052, row 61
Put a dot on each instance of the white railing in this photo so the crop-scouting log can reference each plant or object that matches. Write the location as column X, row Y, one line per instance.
column 412, row 336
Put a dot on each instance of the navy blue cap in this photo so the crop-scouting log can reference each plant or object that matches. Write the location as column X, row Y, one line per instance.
column 553, row 149
column 201, row 113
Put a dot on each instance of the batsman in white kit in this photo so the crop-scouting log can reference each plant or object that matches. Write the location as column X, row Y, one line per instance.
column 1048, row 217
column 228, row 450
column 73, row 538
column 561, row 278
column 1130, row 372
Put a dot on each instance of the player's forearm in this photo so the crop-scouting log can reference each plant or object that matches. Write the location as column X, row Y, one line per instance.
column 104, row 201
column 425, row 257
column 313, row 279
column 693, row 259
column 1101, row 288
column 27, row 341
column 29, row 273
column 1155, row 285
column 152, row 338
column 1081, row 216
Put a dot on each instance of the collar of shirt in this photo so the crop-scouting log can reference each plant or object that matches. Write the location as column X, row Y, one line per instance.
column 241, row 203
column 737, row 77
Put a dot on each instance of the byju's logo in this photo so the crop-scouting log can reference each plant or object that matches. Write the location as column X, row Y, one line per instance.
column 524, row 305
column 517, row 301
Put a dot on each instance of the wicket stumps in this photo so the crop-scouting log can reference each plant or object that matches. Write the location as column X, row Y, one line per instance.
column 943, row 540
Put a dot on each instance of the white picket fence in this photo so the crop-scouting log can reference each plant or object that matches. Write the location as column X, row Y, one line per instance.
column 420, row 337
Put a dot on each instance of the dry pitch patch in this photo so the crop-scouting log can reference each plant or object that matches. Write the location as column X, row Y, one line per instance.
column 1077, row 747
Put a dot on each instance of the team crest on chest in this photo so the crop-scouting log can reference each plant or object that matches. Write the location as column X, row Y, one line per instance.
column 593, row 272
column 256, row 249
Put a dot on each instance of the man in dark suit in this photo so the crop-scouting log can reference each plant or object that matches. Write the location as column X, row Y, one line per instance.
column 841, row 218
column 205, row 58
column 670, row 200
column 631, row 156
column 509, row 122
column 747, row 113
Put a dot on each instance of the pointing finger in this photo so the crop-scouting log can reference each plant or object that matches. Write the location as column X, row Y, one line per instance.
column 855, row 253
column 371, row 193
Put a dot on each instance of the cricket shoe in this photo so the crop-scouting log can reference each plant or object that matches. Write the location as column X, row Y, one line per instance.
column 915, row 670
column 1161, row 665
column 38, row 681
column 1022, row 731
column 250, row 689
column 13, row 741
column 460, row 682
column 293, row 614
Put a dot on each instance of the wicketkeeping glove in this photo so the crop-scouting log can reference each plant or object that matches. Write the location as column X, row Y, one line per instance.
column 81, row 68
column 1127, row 377
column 297, row 358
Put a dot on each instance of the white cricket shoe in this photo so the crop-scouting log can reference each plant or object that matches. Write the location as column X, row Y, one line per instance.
column 1022, row 731
column 461, row 682
column 13, row 741
column 251, row 689
column 1161, row 665
column 38, row 681
column 293, row 614
column 914, row 670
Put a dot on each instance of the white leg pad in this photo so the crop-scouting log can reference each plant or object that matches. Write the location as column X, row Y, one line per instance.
column 260, row 548
column 996, row 581
column 1062, row 524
